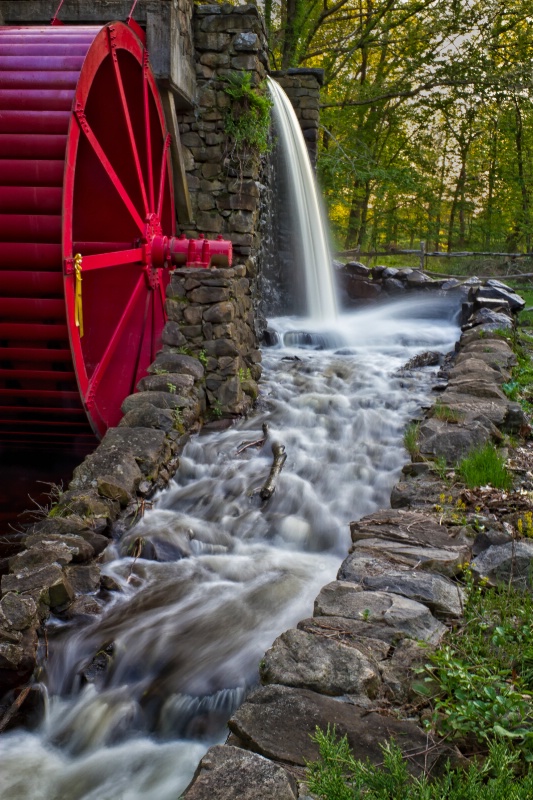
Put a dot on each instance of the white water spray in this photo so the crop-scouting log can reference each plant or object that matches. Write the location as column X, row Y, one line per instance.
column 310, row 226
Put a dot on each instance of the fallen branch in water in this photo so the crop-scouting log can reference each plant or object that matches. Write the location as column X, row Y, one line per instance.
column 256, row 443
column 280, row 456
column 14, row 707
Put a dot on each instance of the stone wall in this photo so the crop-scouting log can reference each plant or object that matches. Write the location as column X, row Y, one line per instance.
column 224, row 193
column 302, row 87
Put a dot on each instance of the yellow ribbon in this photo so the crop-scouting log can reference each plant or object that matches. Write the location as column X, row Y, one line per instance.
column 78, row 309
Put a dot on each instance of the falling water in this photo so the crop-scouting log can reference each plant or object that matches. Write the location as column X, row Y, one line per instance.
column 310, row 230
column 186, row 631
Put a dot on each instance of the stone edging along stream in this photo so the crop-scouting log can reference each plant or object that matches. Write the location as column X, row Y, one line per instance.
column 393, row 590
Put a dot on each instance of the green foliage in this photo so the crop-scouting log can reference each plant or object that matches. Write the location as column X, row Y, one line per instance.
column 410, row 439
column 202, row 357
column 247, row 121
column 244, row 374
column 481, row 679
column 216, row 409
column 445, row 413
column 485, row 467
column 338, row 775
column 440, row 466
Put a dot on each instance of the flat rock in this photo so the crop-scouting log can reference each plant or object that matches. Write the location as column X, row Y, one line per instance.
column 230, row 773
column 329, row 666
column 344, row 599
column 446, row 561
column 408, row 527
column 444, row 597
column 36, row 557
column 161, row 383
column 506, row 562
column 278, row 722
column 58, row 544
column 373, row 639
column 162, row 399
column 147, row 415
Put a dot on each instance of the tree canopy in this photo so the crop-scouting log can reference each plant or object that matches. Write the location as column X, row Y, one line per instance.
column 427, row 116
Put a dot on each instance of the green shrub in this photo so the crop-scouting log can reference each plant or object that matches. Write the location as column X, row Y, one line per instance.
column 485, row 467
column 338, row 775
column 247, row 121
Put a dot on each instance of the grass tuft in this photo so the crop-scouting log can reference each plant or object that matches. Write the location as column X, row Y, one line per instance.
column 485, row 467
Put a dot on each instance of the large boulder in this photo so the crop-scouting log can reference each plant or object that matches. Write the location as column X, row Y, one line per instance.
column 328, row 666
column 279, row 722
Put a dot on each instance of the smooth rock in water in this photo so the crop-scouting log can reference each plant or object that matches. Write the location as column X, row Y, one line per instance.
column 502, row 563
column 427, row 359
column 84, row 606
column 394, row 286
column 328, row 666
column 439, row 594
column 343, row 599
column 278, row 722
column 230, row 773
column 356, row 268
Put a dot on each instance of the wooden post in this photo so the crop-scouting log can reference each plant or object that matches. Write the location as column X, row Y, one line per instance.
column 422, row 255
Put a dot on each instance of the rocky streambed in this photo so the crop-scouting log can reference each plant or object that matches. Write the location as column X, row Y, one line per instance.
column 187, row 602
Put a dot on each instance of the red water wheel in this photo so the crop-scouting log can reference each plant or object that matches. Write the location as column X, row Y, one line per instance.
column 85, row 196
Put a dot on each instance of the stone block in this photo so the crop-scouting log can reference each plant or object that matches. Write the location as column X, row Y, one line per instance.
column 209, row 221
column 246, row 41
column 178, row 363
column 220, row 312
column 209, row 294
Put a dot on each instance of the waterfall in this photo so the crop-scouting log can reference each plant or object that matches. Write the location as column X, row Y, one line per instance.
column 309, row 222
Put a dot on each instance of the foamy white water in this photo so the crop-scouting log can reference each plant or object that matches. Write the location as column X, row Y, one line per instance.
column 189, row 631
column 310, row 233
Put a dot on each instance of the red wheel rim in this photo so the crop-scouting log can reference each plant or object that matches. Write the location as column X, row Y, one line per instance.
column 117, row 196
column 89, row 93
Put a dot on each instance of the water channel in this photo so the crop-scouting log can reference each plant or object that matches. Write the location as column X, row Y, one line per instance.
column 184, row 635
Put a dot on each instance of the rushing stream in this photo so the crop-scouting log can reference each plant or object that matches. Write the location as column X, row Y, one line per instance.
column 188, row 630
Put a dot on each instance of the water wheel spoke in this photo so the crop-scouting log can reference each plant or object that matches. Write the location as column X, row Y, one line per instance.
column 114, row 259
column 162, row 174
column 113, row 176
column 138, row 356
column 148, row 133
column 115, row 339
column 129, row 126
